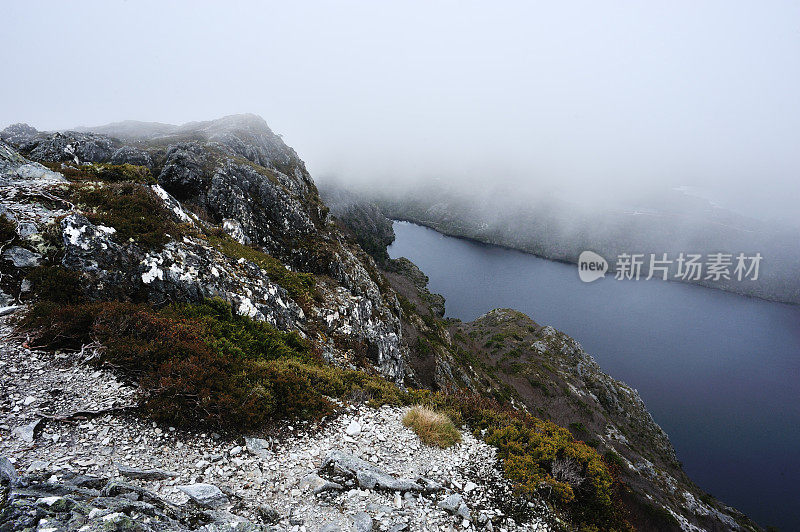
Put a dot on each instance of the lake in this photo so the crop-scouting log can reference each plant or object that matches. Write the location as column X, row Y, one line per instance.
column 719, row 372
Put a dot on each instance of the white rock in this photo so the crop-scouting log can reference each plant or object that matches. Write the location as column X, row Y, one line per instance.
column 353, row 429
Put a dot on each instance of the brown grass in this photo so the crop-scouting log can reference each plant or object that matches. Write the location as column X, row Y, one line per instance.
column 433, row 428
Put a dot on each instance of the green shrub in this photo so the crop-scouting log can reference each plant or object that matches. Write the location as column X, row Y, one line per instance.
column 238, row 336
column 659, row 517
column 579, row 429
column 530, row 448
column 614, row 460
column 132, row 209
column 709, row 499
column 194, row 363
column 104, row 172
column 205, row 364
column 407, row 306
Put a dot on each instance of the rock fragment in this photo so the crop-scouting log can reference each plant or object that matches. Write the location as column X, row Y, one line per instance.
column 353, row 429
column 318, row 485
column 27, row 433
column 8, row 473
column 362, row 522
column 369, row 476
column 145, row 474
column 207, row 495
column 451, row 503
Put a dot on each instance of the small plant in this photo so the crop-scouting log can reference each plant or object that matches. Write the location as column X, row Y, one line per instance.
column 56, row 283
column 407, row 306
column 614, row 460
column 432, row 427
column 8, row 229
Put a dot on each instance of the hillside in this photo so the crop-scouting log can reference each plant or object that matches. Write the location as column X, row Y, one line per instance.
column 197, row 343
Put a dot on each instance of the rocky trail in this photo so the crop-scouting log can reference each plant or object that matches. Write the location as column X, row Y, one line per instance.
column 362, row 470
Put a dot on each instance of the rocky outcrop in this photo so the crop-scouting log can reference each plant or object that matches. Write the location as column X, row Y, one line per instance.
column 70, row 147
column 269, row 214
column 182, row 172
column 18, row 134
column 186, row 270
column 131, row 155
column 235, row 174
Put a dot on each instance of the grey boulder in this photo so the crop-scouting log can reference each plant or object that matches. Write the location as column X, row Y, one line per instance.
column 146, row 474
column 257, row 446
column 451, row 503
column 7, row 472
column 21, row 257
column 27, row 432
column 206, row 495
column 362, row 522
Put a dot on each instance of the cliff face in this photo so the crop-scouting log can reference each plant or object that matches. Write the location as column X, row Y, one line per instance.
column 191, row 259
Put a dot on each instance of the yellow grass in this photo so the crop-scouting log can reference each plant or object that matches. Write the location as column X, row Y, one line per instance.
column 432, row 427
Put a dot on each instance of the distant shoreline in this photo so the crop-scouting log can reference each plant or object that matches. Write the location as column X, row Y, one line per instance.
column 433, row 226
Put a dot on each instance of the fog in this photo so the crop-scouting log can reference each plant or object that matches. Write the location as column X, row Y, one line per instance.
column 591, row 101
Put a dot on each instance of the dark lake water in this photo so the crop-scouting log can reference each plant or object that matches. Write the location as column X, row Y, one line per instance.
column 719, row 372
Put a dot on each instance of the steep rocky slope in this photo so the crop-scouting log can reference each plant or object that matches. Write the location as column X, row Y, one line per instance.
column 191, row 277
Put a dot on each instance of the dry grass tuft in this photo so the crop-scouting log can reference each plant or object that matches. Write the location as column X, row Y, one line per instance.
column 432, row 427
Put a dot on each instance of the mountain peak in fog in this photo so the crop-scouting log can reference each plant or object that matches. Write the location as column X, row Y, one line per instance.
column 132, row 129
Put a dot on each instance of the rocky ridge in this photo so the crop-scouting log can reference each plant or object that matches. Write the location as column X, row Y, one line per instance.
column 220, row 176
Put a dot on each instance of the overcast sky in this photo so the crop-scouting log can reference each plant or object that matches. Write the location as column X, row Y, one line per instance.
column 620, row 94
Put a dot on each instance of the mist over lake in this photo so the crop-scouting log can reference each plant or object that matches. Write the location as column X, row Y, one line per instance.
column 718, row 371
